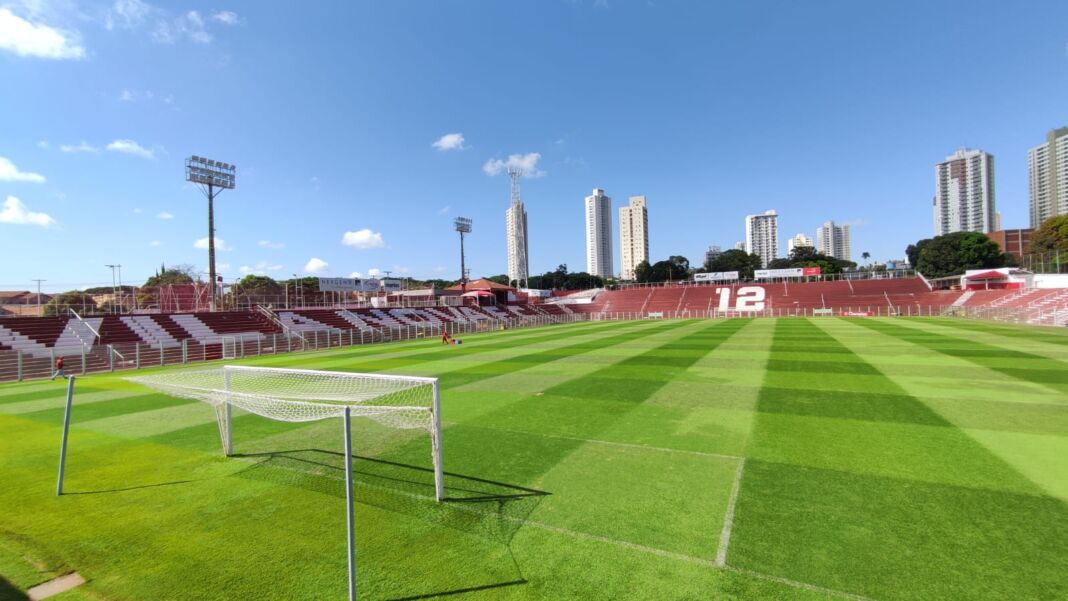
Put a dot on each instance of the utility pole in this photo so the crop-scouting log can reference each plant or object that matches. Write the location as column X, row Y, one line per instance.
column 114, row 292
column 38, row 295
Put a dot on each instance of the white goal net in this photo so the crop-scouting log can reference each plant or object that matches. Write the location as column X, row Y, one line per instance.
column 302, row 395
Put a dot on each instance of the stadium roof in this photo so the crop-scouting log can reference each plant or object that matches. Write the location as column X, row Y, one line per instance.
column 483, row 284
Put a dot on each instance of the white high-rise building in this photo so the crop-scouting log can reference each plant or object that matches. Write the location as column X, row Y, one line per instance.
column 964, row 193
column 633, row 236
column 798, row 240
column 833, row 240
column 762, row 236
column 599, row 234
column 516, row 230
column 1047, row 166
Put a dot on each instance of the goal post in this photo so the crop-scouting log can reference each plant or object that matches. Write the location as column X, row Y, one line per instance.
column 304, row 395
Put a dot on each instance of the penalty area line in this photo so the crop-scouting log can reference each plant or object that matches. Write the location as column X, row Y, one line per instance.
column 728, row 519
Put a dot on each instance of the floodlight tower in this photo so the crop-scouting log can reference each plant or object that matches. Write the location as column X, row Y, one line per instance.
column 213, row 177
column 462, row 225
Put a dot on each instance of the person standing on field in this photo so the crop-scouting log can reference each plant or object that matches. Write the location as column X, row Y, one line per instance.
column 59, row 368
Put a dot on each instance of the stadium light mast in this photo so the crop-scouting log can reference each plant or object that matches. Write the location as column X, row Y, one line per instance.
column 39, row 295
column 213, row 177
column 463, row 226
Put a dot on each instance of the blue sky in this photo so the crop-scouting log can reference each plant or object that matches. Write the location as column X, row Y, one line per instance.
column 713, row 110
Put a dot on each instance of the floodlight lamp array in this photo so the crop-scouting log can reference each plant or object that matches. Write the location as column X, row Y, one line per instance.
column 200, row 170
column 462, row 225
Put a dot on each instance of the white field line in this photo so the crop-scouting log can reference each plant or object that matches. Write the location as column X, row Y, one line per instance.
column 728, row 520
column 626, row 445
column 801, row 585
column 621, row 543
column 55, row 586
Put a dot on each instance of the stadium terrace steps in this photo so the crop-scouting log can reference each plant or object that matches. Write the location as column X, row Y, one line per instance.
column 149, row 330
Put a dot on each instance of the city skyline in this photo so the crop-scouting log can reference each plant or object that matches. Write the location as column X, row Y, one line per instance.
column 357, row 148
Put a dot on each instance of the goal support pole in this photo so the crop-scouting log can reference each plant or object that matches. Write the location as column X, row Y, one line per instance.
column 227, row 417
column 349, row 515
column 66, row 431
column 435, row 445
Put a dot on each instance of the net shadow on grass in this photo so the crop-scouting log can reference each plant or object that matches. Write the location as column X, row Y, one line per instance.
column 476, row 506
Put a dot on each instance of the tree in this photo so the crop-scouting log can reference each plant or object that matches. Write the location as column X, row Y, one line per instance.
column 1050, row 241
column 735, row 260
column 865, row 255
column 257, row 289
column 181, row 274
column 643, row 272
column 499, row 279
column 807, row 256
column 75, row 299
column 953, row 254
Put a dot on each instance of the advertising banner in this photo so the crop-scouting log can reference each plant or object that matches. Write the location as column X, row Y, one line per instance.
column 793, row 272
column 339, row 285
column 716, row 276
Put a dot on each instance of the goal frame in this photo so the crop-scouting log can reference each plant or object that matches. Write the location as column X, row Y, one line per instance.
column 224, row 416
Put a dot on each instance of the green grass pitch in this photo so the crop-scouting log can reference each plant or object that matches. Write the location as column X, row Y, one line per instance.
column 800, row 459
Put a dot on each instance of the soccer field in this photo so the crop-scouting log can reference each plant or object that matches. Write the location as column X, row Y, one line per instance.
column 801, row 459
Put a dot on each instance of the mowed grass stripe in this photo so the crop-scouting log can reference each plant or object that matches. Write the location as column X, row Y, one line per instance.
column 1023, row 366
column 204, row 436
column 1023, row 333
column 337, row 356
column 944, row 327
column 877, row 507
column 1028, row 436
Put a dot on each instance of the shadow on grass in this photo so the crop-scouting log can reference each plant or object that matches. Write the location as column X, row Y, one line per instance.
column 106, row 490
column 486, row 508
column 459, row 591
column 8, row 592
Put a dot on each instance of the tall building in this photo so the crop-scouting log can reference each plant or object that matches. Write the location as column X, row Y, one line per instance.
column 633, row 236
column 833, row 241
column 798, row 240
column 762, row 236
column 599, row 234
column 712, row 254
column 964, row 193
column 515, row 219
column 1047, row 166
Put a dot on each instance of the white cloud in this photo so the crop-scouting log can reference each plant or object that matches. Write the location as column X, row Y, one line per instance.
column 126, row 96
column 363, row 239
column 220, row 244
column 269, row 244
column 38, row 40
column 131, row 147
column 374, row 272
column 16, row 212
column 355, row 274
column 166, row 215
column 450, row 142
column 42, row 144
column 527, row 162
column 155, row 243
column 128, row 14
column 443, row 210
column 226, row 17
column 82, row 147
column 222, row 267
column 315, row 265
column 10, row 173
column 190, row 25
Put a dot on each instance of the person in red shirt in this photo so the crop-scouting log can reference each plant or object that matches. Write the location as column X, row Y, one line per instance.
column 59, row 368
column 445, row 338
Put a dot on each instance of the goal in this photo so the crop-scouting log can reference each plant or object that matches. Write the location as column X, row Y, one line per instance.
column 302, row 395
